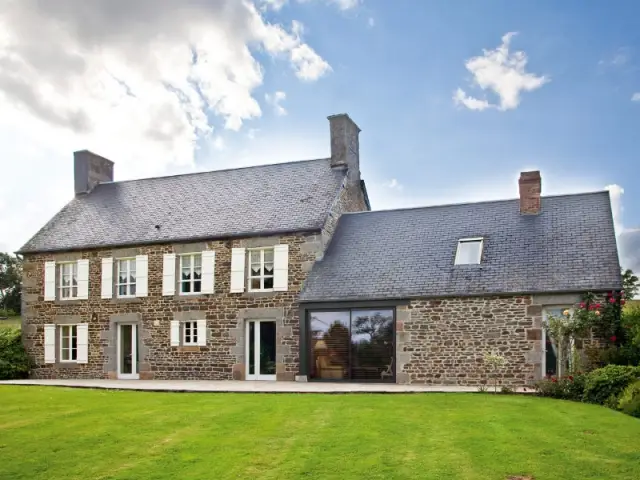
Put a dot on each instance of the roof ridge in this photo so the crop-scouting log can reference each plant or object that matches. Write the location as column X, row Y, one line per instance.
column 481, row 202
column 215, row 171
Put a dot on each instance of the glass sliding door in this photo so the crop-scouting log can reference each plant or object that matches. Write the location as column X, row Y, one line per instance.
column 356, row 345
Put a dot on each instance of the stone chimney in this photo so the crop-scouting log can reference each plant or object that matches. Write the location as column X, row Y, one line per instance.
column 530, row 186
column 345, row 146
column 89, row 170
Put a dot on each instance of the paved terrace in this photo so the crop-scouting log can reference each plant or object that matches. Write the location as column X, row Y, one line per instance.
column 242, row 386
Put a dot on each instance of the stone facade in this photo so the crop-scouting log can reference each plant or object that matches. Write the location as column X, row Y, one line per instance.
column 223, row 356
column 443, row 341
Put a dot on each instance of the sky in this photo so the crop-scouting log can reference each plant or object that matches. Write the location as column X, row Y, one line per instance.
column 454, row 98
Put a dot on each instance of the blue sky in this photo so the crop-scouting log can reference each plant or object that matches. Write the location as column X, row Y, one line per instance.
column 394, row 67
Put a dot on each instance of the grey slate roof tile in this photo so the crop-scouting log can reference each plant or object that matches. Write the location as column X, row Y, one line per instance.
column 245, row 201
column 569, row 246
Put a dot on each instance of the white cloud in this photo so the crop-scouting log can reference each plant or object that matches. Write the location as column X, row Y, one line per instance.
column 616, row 192
column 138, row 82
column 371, row 22
column 278, row 4
column 460, row 98
column 393, row 184
column 274, row 100
column 635, row 97
column 502, row 73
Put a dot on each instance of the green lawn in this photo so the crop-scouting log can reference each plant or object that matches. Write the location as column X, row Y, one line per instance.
column 53, row 433
column 11, row 322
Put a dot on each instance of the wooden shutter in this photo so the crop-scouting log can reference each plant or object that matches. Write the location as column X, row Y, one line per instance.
column 202, row 332
column 82, row 330
column 169, row 274
column 175, row 333
column 208, row 271
column 50, row 343
column 83, row 279
column 50, row 282
column 237, row 270
column 142, row 276
column 107, row 278
column 280, row 268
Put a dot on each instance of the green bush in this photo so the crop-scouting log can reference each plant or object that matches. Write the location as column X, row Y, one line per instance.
column 570, row 387
column 14, row 361
column 630, row 400
column 604, row 385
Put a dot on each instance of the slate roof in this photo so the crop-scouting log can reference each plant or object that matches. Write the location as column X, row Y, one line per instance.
column 283, row 197
column 569, row 246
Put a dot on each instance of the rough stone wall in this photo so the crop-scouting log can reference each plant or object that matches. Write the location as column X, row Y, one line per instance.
column 153, row 315
column 443, row 341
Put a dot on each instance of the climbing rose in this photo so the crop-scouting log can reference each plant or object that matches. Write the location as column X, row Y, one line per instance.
column 612, row 300
column 597, row 313
column 554, row 380
column 571, row 377
column 622, row 302
column 566, row 313
column 613, row 339
column 598, row 305
column 582, row 305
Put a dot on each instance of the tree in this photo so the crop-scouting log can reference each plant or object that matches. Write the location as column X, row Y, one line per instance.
column 10, row 277
column 630, row 283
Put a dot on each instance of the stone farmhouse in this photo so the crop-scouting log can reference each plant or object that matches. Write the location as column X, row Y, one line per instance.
column 283, row 272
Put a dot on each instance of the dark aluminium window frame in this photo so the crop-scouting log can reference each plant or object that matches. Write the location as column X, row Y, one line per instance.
column 305, row 338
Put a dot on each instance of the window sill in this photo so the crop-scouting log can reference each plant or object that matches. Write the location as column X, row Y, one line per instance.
column 70, row 301
column 126, row 300
column 188, row 348
column 189, row 296
column 67, row 364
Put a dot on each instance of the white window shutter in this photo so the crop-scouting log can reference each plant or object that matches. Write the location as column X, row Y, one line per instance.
column 83, row 342
column 202, row 332
column 208, row 271
column 280, row 268
column 175, row 333
column 107, row 278
column 237, row 270
column 142, row 276
column 83, row 279
column 50, row 343
column 50, row 281
column 169, row 274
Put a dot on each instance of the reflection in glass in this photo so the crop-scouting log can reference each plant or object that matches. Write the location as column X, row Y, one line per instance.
column 267, row 348
column 356, row 345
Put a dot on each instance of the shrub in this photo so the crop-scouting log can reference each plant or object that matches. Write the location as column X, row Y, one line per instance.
column 607, row 382
column 14, row 361
column 570, row 387
column 630, row 400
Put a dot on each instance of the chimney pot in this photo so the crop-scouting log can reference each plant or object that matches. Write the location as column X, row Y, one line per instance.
column 530, row 185
column 345, row 145
column 89, row 170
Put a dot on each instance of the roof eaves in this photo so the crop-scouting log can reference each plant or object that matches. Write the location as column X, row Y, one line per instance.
column 266, row 233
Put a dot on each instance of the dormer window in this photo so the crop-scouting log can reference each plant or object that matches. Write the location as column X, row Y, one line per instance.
column 469, row 251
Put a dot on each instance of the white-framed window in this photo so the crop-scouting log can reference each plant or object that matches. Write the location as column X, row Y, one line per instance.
column 126, row 277
column 190, row 333
column 190, row 273
column 261, row 269
column 469, row 251
column 68, row 280
column 68, row 343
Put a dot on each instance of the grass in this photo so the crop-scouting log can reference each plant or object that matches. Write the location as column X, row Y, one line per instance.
column 54, row 433
column 14, row 322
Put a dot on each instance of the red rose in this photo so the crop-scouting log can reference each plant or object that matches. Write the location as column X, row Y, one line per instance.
column 612, row 300
column 591, row 307
column 571, row 377
column 598, row 305
column 582, row 305
column 613, row 339
column 622, row 302
column 554, row 380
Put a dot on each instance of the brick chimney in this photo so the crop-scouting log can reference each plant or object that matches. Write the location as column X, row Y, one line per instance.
column 89, row 170
column 530, row 186
column 345, row 146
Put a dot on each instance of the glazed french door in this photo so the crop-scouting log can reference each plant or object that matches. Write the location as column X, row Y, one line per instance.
column 260, row 352
column 128, row 351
